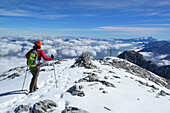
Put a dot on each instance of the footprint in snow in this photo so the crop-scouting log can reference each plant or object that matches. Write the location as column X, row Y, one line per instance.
column 64, row 80
column 46, row 91
column 61, row 103
column 57, row 96
column 37, row 97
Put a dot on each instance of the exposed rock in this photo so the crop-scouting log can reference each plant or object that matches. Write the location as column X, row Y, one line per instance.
column 84, row 61
column 163, row 93
column 116, row 77
column 111, row 72
column 107, row 109
column 50, row 64
column 94, row 78
column 107, row 83
column 14, row 75
column 104, row 92
column 91, row 78
column 43, row 70
column 101, row 88
column 106, row 77
column 22, row 108
column 45, row 106
column 76, row 90
column 138, row 59
column 73, row 110
column 146, row 84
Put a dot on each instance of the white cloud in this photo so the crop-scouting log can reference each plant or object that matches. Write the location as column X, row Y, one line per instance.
column 131, row 29
column 68, row 52
column 118, row 46
column 162, row 56
column 46, row 47
column 51, row 51
column 47, row 42
column 9, row 48
column 164, row 62
column 147, row 54
column 59, row 47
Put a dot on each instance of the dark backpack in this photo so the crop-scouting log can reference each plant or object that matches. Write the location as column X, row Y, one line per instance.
column 32, row 60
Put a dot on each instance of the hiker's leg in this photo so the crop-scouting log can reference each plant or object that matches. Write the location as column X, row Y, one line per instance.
column 32, row 69
column 36, row 76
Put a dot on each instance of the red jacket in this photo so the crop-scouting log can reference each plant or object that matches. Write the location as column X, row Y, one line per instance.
column 41, row 54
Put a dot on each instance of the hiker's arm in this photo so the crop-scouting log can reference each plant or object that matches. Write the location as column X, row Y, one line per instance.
column 44, row 56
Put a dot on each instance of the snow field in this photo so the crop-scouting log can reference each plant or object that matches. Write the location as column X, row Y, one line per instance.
column 129, row 96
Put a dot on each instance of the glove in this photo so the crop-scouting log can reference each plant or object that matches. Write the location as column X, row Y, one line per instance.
column 52, row 56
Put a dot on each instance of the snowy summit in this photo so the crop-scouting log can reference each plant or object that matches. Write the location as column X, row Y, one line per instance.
column 113, row 85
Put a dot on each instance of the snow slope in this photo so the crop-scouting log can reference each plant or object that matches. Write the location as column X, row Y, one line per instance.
column 128, row 96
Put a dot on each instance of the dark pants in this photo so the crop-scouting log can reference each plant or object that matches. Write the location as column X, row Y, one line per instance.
column 35, row 72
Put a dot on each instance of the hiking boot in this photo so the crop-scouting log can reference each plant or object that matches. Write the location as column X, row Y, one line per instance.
column 36, row 88
column 30, row 91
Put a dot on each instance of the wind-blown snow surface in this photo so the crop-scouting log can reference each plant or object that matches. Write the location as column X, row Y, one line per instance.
column 128, row 96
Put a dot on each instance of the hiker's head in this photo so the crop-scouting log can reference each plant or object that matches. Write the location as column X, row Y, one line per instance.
column 37, row 44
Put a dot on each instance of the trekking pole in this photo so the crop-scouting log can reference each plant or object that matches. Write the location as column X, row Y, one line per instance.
column 55, row 75
column 24, row 78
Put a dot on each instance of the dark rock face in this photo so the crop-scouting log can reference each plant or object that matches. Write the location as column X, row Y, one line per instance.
column 45, row 106
column 138, row 59
column 73, row 110
column 22, row 108
column 164, row 71
column 84, row 61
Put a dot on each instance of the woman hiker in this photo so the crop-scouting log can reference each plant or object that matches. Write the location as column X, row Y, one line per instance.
column 38, row 53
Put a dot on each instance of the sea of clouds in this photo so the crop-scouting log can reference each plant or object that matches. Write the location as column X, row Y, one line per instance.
column 61, row 47
column 14, row 48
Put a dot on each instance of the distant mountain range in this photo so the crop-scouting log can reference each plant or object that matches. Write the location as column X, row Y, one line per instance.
column 140, row 39
column 158, row 48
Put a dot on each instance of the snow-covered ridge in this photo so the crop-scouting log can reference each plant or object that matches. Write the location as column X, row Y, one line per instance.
column 137, row 70
column 114, row 86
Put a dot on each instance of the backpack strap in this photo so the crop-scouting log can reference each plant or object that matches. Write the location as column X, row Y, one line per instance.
column 39, row 57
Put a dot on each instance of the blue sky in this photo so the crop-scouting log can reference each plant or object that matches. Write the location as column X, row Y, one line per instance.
column 86, row 18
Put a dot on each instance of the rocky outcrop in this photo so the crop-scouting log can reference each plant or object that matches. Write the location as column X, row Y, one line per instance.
column 22, row 108
column 138, row 59
column 84, row 61
column 73, row 110
column 12, row 76
column 92, row 77
column 76, row 90
column 45, row 106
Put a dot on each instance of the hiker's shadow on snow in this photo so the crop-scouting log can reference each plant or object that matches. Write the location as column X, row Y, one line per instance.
column 14, row 93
